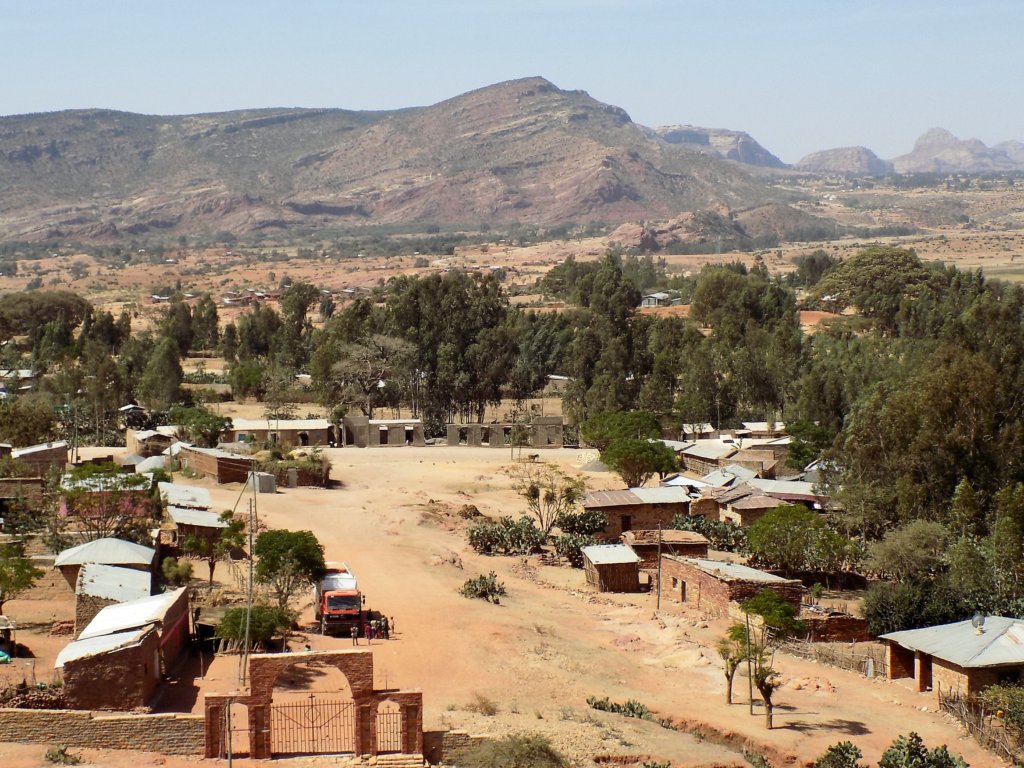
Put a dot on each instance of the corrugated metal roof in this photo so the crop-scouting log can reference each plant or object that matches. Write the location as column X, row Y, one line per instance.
column 762, row 426
column 733, row 571
column 201, row 518
column 274, row 425
column 19, row 452
column 129, row 482
column 94, row 646
column 131, row 615
column 108, row 552
column 601, row 499
column 786, row 489
column 710, row 449
column 681, row 481
column 113, row 583
column 757, row 502
column 185, row 495
column 661, row 495
column 151, row 464
column 1000, row 644
column 610, row 554
column 670, row 536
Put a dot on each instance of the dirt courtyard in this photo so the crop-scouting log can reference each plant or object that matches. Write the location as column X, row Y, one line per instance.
column 547, row 647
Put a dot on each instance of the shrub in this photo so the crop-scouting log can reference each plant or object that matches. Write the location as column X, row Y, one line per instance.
column 266, row 622
column 484, row 587
column 585, row 523
column 59, row 755
column 176, row 573
column 505, row 536
column 570, row 546
column 721, row 536
column 482, row 705
column 517, row 750
column 841, row 755
column 1009, row 699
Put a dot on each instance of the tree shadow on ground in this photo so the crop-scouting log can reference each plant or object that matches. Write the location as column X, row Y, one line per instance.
column 838, row 725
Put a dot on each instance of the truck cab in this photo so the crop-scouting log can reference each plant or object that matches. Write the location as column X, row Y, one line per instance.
column 339, row 603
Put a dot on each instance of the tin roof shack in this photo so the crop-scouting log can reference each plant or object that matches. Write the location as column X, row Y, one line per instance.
column 645, row 545
column 41, row 458
column 189, row 496
column 280, row 431
column 106, row 552
column 222, row 466
column 717, row 587
column 704, row 456
column 116, row 671
column 102, row 585
column 637, row 508
column 959, row 656
column 200, row 523
column 744, row 505
column 612, row 568
column 149, row 442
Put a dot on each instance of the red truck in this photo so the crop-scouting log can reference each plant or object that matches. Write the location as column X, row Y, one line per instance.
column 339, row 603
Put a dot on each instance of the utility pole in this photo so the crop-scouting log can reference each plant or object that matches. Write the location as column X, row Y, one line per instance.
column 659, row 565
column 244, row 658
column 750, row 672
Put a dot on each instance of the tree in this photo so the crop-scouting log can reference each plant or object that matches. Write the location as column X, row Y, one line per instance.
column 778, row 622
column 219, row 543
column 103, row 501
column 784, row 537
column 601, row 430
column 17, row 574
column 549, row 492
column 733, row 650
column 288, row 561
column 160, row 385
column 910, row 752
column 265, row 623
column 199, row 425
column 636, row 460
column 914, row 551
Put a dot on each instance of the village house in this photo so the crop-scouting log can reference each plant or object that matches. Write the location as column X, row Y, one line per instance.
column 101, row 585
column 20, row 494
column 43, row 457
column 744, row 505
column 190, row 496
column 540, row 432
column 108, row 551
column 691, row 432
column 295, row 432
column 200, row 523
column 119, row 657
column 222, row 466
column 362, row 432
column 611, row 568
column 644, row 508
column 965, row 657
column 649, row 545
column 760, row 429
column 718, row 587
column 149, row 442
column 703, row 456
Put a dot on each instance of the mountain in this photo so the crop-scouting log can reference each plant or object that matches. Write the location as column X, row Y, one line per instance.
column 854, row 161
column 729, row 145
column 939, row 151
column 519, row 151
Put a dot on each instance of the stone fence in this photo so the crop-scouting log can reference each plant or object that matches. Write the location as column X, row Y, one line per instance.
column 170, row 734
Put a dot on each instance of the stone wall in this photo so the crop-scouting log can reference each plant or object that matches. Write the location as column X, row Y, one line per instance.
column 120, row 680
column 687, row 583
column 86, row 608
column 899, row 660
column 836, row 628
column 641, row 517
column 172, row 734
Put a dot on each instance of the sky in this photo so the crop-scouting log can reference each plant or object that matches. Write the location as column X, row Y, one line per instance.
column 798, row 75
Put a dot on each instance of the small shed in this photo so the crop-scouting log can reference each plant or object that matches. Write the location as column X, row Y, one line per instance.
column 962, row 656
column 190, row 496
column 200, row 523
column 113, row 671
column 612, row 568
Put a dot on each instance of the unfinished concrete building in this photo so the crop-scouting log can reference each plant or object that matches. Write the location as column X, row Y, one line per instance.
column 361, row 432
column 541, row 432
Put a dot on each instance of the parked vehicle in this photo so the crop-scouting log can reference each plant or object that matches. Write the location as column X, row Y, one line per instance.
column 339, row 603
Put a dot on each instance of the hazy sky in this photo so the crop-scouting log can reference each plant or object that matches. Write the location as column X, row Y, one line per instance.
column 798, row 75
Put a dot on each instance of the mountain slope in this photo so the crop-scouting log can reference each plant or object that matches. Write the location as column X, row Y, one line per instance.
column 858, row 161
column 730, row 145
column 939, row 151
column 520, row 151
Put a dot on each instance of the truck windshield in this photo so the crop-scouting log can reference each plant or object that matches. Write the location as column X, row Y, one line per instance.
column 343, row 602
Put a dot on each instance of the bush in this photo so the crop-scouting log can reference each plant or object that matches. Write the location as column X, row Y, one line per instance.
column 894, row 607
column 570, row 546
column 506, row 537
column 585, row 523
column 482, row 705
column 266, row 622
column 724, row 537
column 518, row 750
column 631, row 708
column 59, row 755
column 1009, row 699
column 176, row 573
column 484, row 587
column 841, row 755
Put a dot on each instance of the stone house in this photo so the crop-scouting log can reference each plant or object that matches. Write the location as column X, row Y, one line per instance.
column 222, row 466
column 704, row 456
column 641, row 508
column 362, row 432
column 118, row 552
column 959, row 657
column 101, row 585
column 149, row 442
column 41, row 458
column 717, row 587
column 294, row 432
column 611, row 568
column 646, row 545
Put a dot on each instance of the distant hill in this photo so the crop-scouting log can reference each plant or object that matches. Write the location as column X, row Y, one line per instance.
column 854, row 161
column 730, row 145
column 939, row 151
column 519, row 151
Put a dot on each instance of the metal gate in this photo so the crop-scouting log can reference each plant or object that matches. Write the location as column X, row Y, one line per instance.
column 389, row 730
column 312, row 727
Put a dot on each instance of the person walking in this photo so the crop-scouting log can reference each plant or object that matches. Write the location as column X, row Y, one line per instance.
column 392, row 624
column 385, row 629
column 369, row 633
column 354, row 632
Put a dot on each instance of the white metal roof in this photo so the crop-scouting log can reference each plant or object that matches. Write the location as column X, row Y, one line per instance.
column 762, row 426
column 661, row 494
column 150, row 464
column 608, row 554
column 784, row 487
column 108, row 552
column 700, row 429
column 93, row 646
column 185, row 495
column 113, row 583
column 131, row 615
column 200, row 518
column 1001, row 642
column 710, row 449
column 733, row 571
column 274, row 425
column 682, row 481
column 19, row 452
column 128, row 482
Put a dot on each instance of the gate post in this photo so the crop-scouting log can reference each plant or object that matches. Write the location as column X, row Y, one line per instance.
column 366, row 727
column 259, row 732
column 214, row 727
column 412, row 730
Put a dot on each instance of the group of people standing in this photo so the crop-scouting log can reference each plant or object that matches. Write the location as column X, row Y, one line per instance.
column 372, row 628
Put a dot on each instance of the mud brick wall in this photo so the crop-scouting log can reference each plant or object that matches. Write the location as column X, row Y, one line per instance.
column 837, row 629
column 900, row 660
column 685, row 583
column 86, row 608
column 168, row 734
column 123, row 679
column 452, row 742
